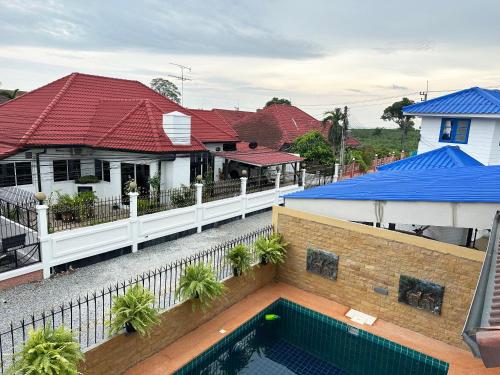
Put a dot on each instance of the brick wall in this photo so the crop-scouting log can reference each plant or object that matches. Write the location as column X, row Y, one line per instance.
column 121, row 352
column 372, row 257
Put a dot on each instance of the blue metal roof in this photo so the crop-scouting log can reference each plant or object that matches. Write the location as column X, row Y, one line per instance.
column 468, row 184
column 444, row 157
column 471, row 101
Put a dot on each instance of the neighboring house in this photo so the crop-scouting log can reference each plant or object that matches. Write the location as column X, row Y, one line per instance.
column 111, row 128
column 468, row 118
column 352, row 142
column 275, row 126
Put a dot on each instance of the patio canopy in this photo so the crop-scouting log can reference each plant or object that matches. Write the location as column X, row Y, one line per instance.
column 465, row 197
column 259, row 156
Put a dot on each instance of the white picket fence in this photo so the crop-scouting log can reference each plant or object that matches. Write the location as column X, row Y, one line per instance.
column 79, row 243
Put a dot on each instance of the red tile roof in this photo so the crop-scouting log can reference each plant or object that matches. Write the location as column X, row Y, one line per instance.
column 217, row 129
column 81, row 109
column 260, row 156
column 275, row 126
column 352, row 142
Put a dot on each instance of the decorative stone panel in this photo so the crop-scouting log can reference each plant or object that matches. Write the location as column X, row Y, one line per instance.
column 421, row 294
column 322, row 263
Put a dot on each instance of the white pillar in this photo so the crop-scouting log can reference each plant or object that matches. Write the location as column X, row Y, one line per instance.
column 277, row 181
column 336, row 173
column 134, row 223
column 115, row 178
column 44, row 238
column 303, row 177
column 243, row 192
column 199, row 206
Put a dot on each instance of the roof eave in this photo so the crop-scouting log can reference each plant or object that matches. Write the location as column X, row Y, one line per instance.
column 464, row 115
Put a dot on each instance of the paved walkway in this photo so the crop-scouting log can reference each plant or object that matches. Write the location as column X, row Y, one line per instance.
column 21, row 301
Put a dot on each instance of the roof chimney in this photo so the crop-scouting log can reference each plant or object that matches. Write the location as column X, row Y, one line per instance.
column 177, row 127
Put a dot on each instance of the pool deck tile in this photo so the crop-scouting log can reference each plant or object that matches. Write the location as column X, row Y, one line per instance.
column 180, row 352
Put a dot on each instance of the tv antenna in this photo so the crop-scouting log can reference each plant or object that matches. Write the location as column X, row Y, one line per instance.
column 182, row 77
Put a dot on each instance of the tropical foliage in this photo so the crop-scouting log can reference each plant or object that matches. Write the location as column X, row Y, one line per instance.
column 240, row 259
column 271, row 249
column 199, row 283
column 276, row 100
column 313, row 147
column 48, row 351
column 134, row 310
column 395, row 113
column 166, row 88
column 338, row 122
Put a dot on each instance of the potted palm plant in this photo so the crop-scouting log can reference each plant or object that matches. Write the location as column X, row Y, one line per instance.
column 134, row 312
column 48, row 351
column 271, row 249
column 240, row 259
column 199, row 283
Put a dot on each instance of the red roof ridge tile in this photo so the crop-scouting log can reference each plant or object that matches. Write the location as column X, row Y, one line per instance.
column 46, row 111
column 117, row 125
column 148, row 103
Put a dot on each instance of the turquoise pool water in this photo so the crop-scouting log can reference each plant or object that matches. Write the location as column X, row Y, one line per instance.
column 303, row 341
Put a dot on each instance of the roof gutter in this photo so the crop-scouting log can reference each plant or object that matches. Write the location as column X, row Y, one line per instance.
column 474, row 320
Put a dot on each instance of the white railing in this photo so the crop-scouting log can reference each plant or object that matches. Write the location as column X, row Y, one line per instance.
column 79, row 243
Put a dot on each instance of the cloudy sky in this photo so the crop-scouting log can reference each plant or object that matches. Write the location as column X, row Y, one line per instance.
column 320, row 54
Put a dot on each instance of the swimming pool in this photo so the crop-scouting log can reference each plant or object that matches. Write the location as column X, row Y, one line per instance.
column 303, row 341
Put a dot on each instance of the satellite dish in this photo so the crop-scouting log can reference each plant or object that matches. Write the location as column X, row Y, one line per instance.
column 252, row 145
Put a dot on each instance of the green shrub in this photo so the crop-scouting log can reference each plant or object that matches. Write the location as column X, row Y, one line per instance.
column 271, row 249
column 240, row 259
column 199, row 283
column 182, row 197
column 88, row 180
column 134, row 312
column 48, row 352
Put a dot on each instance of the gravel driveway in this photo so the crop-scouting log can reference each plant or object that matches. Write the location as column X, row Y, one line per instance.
column 21, row 301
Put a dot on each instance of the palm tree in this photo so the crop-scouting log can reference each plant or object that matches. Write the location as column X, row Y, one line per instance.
column 337, row 120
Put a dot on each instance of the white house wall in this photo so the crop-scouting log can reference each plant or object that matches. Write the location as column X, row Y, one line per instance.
column 177, row 172
column 460, row 215
column 483, row 142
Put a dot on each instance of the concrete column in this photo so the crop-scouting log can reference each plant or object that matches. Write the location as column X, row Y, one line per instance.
column 243, row 191
column 303, row 177
column 115, row 178
column 277, row 188
column 134, row 223
column 44, row 238
column 199, row 206
column 336, row 173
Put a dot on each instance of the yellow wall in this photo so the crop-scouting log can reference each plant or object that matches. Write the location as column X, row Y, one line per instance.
column 372, row 257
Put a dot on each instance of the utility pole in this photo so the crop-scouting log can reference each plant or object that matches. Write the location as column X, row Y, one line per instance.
column 182, row 78
column 425, row 93
column 345, row 124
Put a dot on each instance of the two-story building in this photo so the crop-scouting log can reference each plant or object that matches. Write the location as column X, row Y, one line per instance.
column 469, row 119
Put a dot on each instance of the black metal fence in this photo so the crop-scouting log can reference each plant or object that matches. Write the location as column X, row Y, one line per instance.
column 82, row 211
column 260, row 183
column 19, row 245
column 213, row 191
column 164, row 200
column 88, row 315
